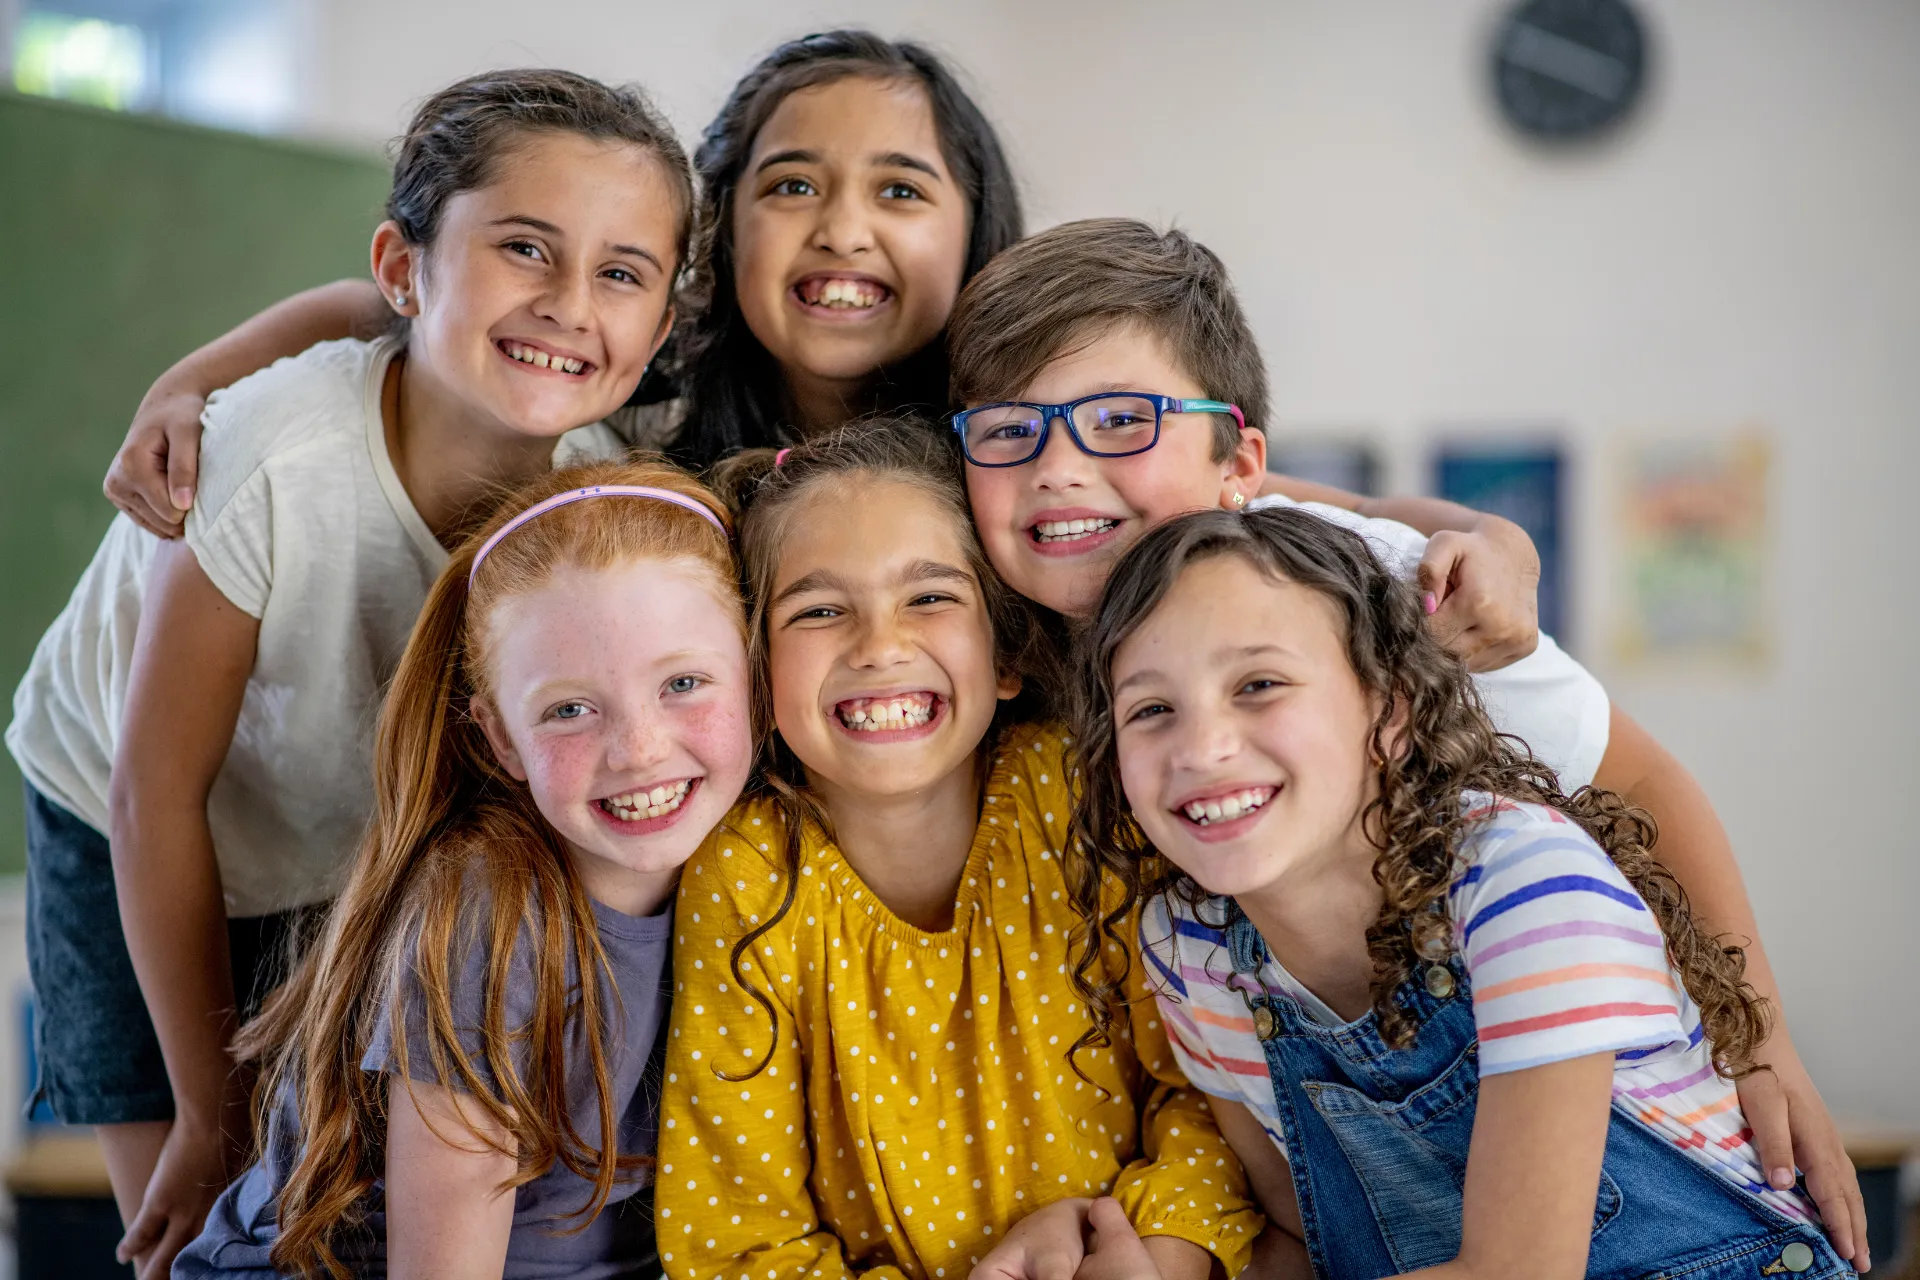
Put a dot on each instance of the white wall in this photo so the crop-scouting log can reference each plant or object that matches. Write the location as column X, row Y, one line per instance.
column 1745, row 251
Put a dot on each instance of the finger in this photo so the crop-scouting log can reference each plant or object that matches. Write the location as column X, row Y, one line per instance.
column 1836, row 1193
column 163, row 520
column 159, row 1263
column 145, row 1231
column 183, row 461
column 1764, row 1103
column 1436, row 570
column 1051, row 1262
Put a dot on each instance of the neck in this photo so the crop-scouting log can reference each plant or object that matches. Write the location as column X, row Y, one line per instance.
column 449, row 462
column 630, row 892
column 910, row 849
column 1315, row 920
column 820, row 404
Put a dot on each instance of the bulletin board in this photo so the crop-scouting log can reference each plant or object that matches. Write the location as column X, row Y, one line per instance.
column 130, row 241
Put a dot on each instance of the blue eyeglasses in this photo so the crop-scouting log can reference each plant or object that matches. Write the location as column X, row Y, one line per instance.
column 1113, row 424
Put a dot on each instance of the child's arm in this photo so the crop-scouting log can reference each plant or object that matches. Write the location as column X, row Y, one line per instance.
column 153, row 476
column 1279, row 1253
column 733, row 1195
column 449, row 1208
column 1561, row 1110
column 190, row 667
column 1481, row 572
column 1791, row 1125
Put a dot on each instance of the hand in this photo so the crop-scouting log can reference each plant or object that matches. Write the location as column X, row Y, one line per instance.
column 192, row 1171
column 1047, row 1244
column 152, row 477
column 1115, row 1251
column 1481, row 590
column 1791, row 1128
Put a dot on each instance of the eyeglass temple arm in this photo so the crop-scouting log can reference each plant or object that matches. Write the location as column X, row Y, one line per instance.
column 1213, row 406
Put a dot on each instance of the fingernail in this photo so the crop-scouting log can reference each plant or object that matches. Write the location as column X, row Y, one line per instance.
column 1430, row 602
column 1782, row 1179
column 182, row 499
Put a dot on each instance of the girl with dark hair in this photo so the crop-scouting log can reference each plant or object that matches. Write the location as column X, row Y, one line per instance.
column 1456, row 1022
column 868, row 1072
column 848, row 188
column 195, row 727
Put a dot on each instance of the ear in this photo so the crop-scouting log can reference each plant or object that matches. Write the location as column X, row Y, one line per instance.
column 496, row 731
column 1245, row 471
column 1392, row 736
column 1008, row 687
column 396, row 268
column 660, row 334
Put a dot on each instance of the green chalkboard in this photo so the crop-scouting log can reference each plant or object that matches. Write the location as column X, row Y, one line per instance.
column 128, row 242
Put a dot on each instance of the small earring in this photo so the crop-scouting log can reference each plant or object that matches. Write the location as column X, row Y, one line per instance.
column 1239, row 499
column 399, row 299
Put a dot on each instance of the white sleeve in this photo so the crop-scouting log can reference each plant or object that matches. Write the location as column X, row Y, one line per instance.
column 1555, row 706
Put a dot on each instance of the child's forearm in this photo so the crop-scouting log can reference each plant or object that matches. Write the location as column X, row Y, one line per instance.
column 1428, row 515
column 343, row 309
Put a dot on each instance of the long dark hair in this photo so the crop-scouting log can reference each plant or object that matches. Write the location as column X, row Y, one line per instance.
column 731, row 382
column 1417, row 822
column 768, row 490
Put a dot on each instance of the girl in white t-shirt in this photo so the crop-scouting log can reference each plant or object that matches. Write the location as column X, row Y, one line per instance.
column 1474, row 1017
column 191, row 788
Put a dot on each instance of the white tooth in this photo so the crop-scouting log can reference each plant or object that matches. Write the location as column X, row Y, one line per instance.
column 540, row 359
column 1230, row 807
column 1212, row 810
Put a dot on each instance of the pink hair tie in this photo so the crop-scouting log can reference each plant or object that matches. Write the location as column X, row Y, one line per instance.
column 781, row 457
column 595, row 491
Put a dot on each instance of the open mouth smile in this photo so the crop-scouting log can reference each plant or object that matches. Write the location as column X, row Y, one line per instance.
column 552, row 361
column 1071, row 534
column 851, row 297
column 648, row 808
column 1215, row 812
column 891, row 718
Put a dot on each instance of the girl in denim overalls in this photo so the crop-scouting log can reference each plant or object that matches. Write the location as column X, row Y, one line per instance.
column 1474, row 1018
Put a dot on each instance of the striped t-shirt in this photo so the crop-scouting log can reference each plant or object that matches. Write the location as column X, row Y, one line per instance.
column 1564, row 958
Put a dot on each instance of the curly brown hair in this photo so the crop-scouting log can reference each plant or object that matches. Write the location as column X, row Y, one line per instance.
column 1445, row 748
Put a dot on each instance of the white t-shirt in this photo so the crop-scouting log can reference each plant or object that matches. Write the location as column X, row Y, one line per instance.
column 1546, row 699
column 1564, row 958
column 301, row 521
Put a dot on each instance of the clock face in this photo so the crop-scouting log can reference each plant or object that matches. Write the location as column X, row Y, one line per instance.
column 1568, row 68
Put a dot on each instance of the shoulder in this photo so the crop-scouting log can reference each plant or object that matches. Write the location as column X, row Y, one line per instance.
column 595, row 442
column 1177, row 939
column 1554, row 705
column 646, row 426
column 1527, row 866
column 1399, row 546
column 739, row 875
column 315, row 404
column 1032, row 766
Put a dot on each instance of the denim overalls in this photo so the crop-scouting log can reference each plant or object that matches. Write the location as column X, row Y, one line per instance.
column 1377, row 1139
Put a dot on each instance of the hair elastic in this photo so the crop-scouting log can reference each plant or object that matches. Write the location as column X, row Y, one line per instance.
column 781, row 457
column 595, row 491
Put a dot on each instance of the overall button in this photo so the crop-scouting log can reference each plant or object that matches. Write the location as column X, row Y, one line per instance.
column 1795, row 1258
column 1265, row 1025
column 1439, row 982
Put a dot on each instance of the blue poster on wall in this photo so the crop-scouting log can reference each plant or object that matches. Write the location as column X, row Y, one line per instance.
column 1525, row 482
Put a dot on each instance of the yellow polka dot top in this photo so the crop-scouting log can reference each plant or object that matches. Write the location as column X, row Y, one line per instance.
column 918, row 1100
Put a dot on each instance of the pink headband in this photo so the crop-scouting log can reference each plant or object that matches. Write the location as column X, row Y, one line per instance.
column 596, row 491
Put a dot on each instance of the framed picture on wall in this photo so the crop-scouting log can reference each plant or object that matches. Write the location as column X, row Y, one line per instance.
column 1523, row 479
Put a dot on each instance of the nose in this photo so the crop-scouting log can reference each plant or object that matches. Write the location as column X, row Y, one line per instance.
column 845, row 227
column 639, row 741
column 1060, row 464
column 567, row 300
column 882, row 642
column 1204, row 741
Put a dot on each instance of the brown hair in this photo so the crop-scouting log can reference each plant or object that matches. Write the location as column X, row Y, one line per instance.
column 1418, row 821
column 771, row 490
column 459, row 136
column 1055, row 292
column 452, row 829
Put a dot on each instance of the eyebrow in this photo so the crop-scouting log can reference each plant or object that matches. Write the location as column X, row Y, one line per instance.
column 547, row 228
column 1244, row 651
column 827, row 580
column 881, row 159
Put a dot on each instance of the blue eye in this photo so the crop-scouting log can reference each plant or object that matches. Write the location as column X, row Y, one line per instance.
column 569, row 711
column 684, row 684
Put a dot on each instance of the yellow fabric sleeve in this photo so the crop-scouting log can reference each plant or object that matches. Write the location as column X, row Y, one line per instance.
column 732, row 1196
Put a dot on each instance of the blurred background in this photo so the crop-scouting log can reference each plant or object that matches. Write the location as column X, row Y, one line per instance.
column 1683, row 348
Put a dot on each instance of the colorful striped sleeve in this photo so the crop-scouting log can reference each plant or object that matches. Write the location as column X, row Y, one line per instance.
column 1564, row 957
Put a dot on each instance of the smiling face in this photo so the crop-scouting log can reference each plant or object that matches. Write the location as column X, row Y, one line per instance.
column 1242, row 731
column 545, row 292
column 1055, row 527
column 849, row 232
column 879, row 645
column 620, row 696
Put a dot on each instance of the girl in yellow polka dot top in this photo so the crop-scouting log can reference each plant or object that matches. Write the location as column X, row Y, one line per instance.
column 868, row 1064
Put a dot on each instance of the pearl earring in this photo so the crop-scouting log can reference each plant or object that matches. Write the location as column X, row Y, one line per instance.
column 399, row 299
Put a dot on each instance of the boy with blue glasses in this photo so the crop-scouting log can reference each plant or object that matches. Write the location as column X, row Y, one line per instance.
column 1111, row 381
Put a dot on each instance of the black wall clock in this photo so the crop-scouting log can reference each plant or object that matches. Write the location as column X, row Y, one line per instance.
column 1567, row 69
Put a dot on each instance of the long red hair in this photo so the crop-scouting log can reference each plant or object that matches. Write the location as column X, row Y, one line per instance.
column 452, row 829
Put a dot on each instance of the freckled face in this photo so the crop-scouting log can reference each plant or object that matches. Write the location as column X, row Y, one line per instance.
column 1242, row 730
column 880, row 647
column 1027, row 514
column 850, row 234
column 619, row 696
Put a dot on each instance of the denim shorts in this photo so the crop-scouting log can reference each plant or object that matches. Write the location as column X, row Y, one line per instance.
column 99, row 1058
